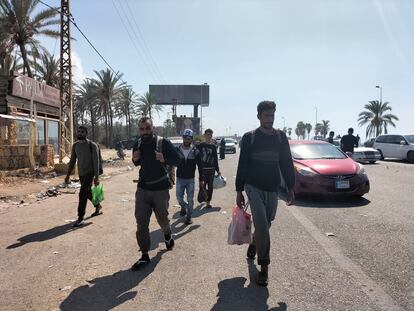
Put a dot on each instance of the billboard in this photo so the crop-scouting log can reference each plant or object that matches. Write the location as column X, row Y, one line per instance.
column 181, row 94
column 182, row 123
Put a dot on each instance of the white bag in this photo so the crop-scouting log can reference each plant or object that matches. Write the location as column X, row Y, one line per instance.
column 219, row 182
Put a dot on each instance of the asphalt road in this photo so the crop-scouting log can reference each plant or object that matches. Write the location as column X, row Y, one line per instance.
column 366, row 265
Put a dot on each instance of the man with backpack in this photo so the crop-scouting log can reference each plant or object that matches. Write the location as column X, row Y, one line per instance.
column 190, row 157
column 156, row 156
column 264, row 154
column 87, row 154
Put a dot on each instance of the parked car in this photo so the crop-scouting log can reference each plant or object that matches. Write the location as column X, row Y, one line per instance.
column 396, row 146
column 230, row 145
column 369, row 142
column 366, row 154
column 321, row 168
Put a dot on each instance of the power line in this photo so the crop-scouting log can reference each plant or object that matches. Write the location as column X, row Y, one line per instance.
column 72, row 20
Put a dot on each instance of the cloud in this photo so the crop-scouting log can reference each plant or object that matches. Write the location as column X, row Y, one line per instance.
column 78, row 75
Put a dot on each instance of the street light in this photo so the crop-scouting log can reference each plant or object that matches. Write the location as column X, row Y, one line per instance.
column 380, row 87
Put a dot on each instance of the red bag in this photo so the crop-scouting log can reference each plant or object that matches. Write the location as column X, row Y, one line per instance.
column 240, row 228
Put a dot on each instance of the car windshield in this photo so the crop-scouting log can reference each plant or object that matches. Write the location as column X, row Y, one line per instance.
column 316, row 151
column 229, row 140
column 410, row 138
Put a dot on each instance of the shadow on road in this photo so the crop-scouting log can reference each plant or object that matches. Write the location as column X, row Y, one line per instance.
column 233, row 295
column 319, row 201
column 198, row 211
column 110, row 291
column 46, row 235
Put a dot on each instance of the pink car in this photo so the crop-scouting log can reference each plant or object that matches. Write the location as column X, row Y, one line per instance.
column 321, row 168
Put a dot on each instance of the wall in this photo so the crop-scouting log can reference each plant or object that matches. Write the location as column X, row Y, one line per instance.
column 17, row 156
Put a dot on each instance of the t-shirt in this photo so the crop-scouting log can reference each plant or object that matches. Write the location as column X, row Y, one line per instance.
column 87, row 154
column 348, row 142
column 209, row 156
column 185, row 152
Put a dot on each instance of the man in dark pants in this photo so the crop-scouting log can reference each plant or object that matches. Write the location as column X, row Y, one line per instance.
column 222, row 149
column 348, row 142
column 87, row 154
column 264, row 153
column 210, row 163
column 153, row 154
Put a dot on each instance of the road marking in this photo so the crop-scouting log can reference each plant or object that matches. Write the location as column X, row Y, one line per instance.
column 377, row 295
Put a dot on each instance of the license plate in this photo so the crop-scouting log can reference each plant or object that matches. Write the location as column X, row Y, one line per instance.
column 342, row 184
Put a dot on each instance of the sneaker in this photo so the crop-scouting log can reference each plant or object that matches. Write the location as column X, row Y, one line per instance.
column 208, row 205
column 169, row 244
column 78, row 223
column 98, row 211
column 262, row 277
column 183, row 212
column 142, row 262
column 251, row 251
column 188, row 221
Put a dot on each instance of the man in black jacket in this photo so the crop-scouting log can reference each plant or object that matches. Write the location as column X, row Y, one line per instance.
column 153, row 154
column 190, row 157
column 208, row 152
column 264, row 153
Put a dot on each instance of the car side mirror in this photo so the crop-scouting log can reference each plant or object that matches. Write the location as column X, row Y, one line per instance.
column 403, row 142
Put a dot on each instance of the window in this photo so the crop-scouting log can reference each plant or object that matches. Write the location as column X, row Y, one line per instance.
column 40, row 124
column 380, row 139
column 53, row 134
column 22, row 132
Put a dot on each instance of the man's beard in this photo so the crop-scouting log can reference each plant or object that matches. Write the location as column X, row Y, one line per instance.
column 146, row 137
column 187, row 144
column 81, row 137
column 267, row 125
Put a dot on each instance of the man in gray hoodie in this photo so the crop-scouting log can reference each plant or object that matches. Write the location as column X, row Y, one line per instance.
column 86, row 153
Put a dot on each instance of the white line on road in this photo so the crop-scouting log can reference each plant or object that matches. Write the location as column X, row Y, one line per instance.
column 372, row 289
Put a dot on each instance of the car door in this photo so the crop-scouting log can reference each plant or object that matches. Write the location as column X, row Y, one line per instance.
column 395, row 146
column 386, row 146
column 401, row 150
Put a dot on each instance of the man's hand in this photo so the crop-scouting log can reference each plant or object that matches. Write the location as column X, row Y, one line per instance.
column 136, row 155
column 240, row 199
column 219, row 173
column 67, row 179
column 159, row 157
column 96, row 181
column 290, row 197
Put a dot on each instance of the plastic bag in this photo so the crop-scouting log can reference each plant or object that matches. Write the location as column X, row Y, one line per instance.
column 240, row 228
column 97, row 194
column 219, row 182
column 202, row 194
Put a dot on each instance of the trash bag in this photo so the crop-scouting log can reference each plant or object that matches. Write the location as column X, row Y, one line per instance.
column 202, row 194
column 219, row 182
column 97, row 194
column 240, row 228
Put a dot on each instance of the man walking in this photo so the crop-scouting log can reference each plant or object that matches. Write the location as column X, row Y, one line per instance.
column 331, row 137
column 190, row 157
column 86, row 153
column 264, row 153
column 348, row 142
column 153, row 154
column 210, row 163
column 222, row 148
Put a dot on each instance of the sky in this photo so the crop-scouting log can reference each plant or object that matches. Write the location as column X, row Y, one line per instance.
column 317, row 59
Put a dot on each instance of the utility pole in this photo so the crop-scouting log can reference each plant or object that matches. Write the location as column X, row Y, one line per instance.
column 66, row 108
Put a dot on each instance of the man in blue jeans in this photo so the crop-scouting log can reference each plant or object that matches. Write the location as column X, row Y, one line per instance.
column 264, row 156
column 190, row 157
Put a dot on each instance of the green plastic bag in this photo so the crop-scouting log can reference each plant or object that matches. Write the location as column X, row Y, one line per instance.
column 97, row 194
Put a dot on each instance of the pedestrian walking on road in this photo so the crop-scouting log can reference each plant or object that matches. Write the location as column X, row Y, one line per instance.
column 86, row 153
column 222, row 149
column 153, row 154
column 348, row 142
column 210, row 163
column 264, row 153
column 190, row 157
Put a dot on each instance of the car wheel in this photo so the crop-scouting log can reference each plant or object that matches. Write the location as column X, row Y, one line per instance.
column 382, row 156
column 410, row 156
column 372, row 162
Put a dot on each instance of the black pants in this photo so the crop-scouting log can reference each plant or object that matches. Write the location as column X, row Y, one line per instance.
column 85, row 193
column 208, row 179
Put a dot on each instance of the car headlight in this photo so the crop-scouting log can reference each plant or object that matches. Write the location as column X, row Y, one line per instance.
column 361, row 170
column 305, row 171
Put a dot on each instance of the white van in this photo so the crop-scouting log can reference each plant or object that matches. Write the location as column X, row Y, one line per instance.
column 396, row 146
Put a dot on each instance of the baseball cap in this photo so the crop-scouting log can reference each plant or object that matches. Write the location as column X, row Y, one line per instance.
column 188, row 132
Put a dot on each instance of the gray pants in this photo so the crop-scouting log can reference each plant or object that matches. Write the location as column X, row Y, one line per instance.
column 263, row 205
column 147, row 201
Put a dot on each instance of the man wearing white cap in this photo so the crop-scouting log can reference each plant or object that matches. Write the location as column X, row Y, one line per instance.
column 190, row 157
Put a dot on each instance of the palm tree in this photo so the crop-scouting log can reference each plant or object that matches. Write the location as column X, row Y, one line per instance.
column 308, row 128
column 318, row 129
column 20, row 27
column 126, row 106
column 148, row 105
column 376, row 117
column 48, row 70
column 107, row 87
column 301, row 129
column 324, row 129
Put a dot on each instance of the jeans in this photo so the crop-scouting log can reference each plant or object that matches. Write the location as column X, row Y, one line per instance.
column 185, row 185
column 263, row 205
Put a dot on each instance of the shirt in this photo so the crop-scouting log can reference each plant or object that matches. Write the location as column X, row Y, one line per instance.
column 348, row 142
column 86, row 153
column 209, row 156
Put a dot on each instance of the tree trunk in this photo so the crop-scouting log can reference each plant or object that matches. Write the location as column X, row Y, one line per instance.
column 25, row 61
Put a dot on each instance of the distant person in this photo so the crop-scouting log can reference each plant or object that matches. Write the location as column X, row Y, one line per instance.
column 264, row 157
column 349, row 142
column 358, row 139
column 222, row 149
column 190, row 158
column 86, row 153
column 331, row 137
column 208, row 151
column 153, row 154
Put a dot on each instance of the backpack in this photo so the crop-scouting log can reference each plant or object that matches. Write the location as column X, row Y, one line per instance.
column 253, row 133
column 100, row 156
